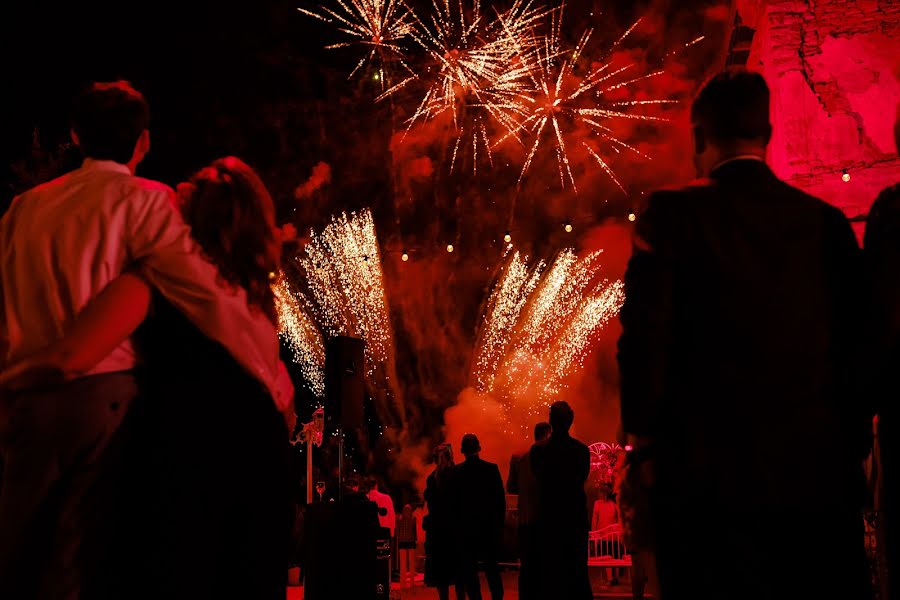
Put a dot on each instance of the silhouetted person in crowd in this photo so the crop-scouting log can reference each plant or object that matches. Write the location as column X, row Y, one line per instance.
column 740, row 348
column 522, row 481
column 561, row 465
column 882, row 251
column 407, row 537
column 480, row 505
column 352, row 493
column 442, row 560
column 92, row 242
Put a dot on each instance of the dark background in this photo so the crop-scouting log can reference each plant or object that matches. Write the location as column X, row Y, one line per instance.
column 252, row 79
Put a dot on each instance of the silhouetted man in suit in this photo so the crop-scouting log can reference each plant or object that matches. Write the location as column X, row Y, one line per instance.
column 741, row 341
column 561, row 465
column 522, row 481
column 882, row 251
column 480, row 511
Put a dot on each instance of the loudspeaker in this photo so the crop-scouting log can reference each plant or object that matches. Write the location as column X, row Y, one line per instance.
column 340, row 551
column 345, row 370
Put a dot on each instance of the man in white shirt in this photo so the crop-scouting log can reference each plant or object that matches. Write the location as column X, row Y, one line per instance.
column 387, row 518
column 60, row 244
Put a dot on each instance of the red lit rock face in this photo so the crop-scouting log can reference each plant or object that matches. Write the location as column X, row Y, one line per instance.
column 833, row 67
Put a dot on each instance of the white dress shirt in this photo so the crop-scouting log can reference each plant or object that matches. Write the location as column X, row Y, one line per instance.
column 62, row 242
column 382, row 500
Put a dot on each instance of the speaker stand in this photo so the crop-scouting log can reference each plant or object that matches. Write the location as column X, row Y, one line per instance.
column 340, row 432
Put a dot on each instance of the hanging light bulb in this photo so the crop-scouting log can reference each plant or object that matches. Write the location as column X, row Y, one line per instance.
column 845, row 176
column 405, row 256
column 631, row 216
column 568, row 227
column 507, row 237
column 450, row 248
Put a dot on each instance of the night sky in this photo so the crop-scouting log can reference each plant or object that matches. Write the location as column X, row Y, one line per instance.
column 252, row 79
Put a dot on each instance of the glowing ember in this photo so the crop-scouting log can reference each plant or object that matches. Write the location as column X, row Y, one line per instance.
column 539, row 325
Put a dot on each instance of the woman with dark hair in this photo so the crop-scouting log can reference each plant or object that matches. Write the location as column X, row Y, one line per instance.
column 442, row 559
column 207, row 501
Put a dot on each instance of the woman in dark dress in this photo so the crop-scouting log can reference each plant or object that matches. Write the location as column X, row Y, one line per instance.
column 442, row 562
column 206, row 500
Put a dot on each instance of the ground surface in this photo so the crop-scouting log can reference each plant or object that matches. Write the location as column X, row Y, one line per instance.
column 419, row 592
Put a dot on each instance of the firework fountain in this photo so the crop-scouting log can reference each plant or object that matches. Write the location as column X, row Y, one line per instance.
column 539, row 324
column 338, row 289
column 297, row 327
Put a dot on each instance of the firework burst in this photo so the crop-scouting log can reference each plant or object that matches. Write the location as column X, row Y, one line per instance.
column 378, row 26
column 561, row 105
column 475, row 64
column 539, row 325
column 344, row 292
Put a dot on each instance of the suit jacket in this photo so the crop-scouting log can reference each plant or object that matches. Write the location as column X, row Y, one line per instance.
column 561, row 465
column 742, row 344
column 480, row 504
column 882, row 251
column 521, row 481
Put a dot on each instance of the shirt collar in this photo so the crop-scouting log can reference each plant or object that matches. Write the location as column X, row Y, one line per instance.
column 93, row 164
column 739, row 157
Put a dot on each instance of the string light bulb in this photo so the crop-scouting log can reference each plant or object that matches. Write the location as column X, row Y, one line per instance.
column 845, row 176
column 507, row 237
column 568, row 227
column 405, row 256
column 631, row 216
column 450, row 248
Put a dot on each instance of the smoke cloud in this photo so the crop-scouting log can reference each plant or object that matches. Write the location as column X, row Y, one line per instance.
column 436, row 298
column 320, row 177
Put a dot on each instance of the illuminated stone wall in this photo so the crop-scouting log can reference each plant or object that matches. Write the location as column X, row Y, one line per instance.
column 833, row 67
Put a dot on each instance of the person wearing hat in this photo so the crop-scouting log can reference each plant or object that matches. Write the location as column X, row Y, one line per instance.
column 480, row 508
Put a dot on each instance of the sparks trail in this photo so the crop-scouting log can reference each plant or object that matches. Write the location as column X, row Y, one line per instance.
column 474, row 65
column 539, row 325
column 560, row 103
column 297, row 327
column 344, row 295
column 378, row 26
column 499, row 76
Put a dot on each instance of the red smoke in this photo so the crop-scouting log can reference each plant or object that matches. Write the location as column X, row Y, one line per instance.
column 436, row 297
column 321, row 176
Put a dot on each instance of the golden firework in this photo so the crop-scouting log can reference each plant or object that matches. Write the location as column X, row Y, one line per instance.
column 540, row 323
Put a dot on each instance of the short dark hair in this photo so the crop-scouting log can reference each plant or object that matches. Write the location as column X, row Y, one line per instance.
column 733, row 105
column 109, row 119
column 542, row 430
column 561, row 416
column 470, row 444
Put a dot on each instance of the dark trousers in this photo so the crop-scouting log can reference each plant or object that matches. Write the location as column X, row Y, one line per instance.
column 473, row 582
column 890, row 509
column 529, row 580
column 562, row 561
column 59, row 493
column 763, row 555
column 216, row 496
